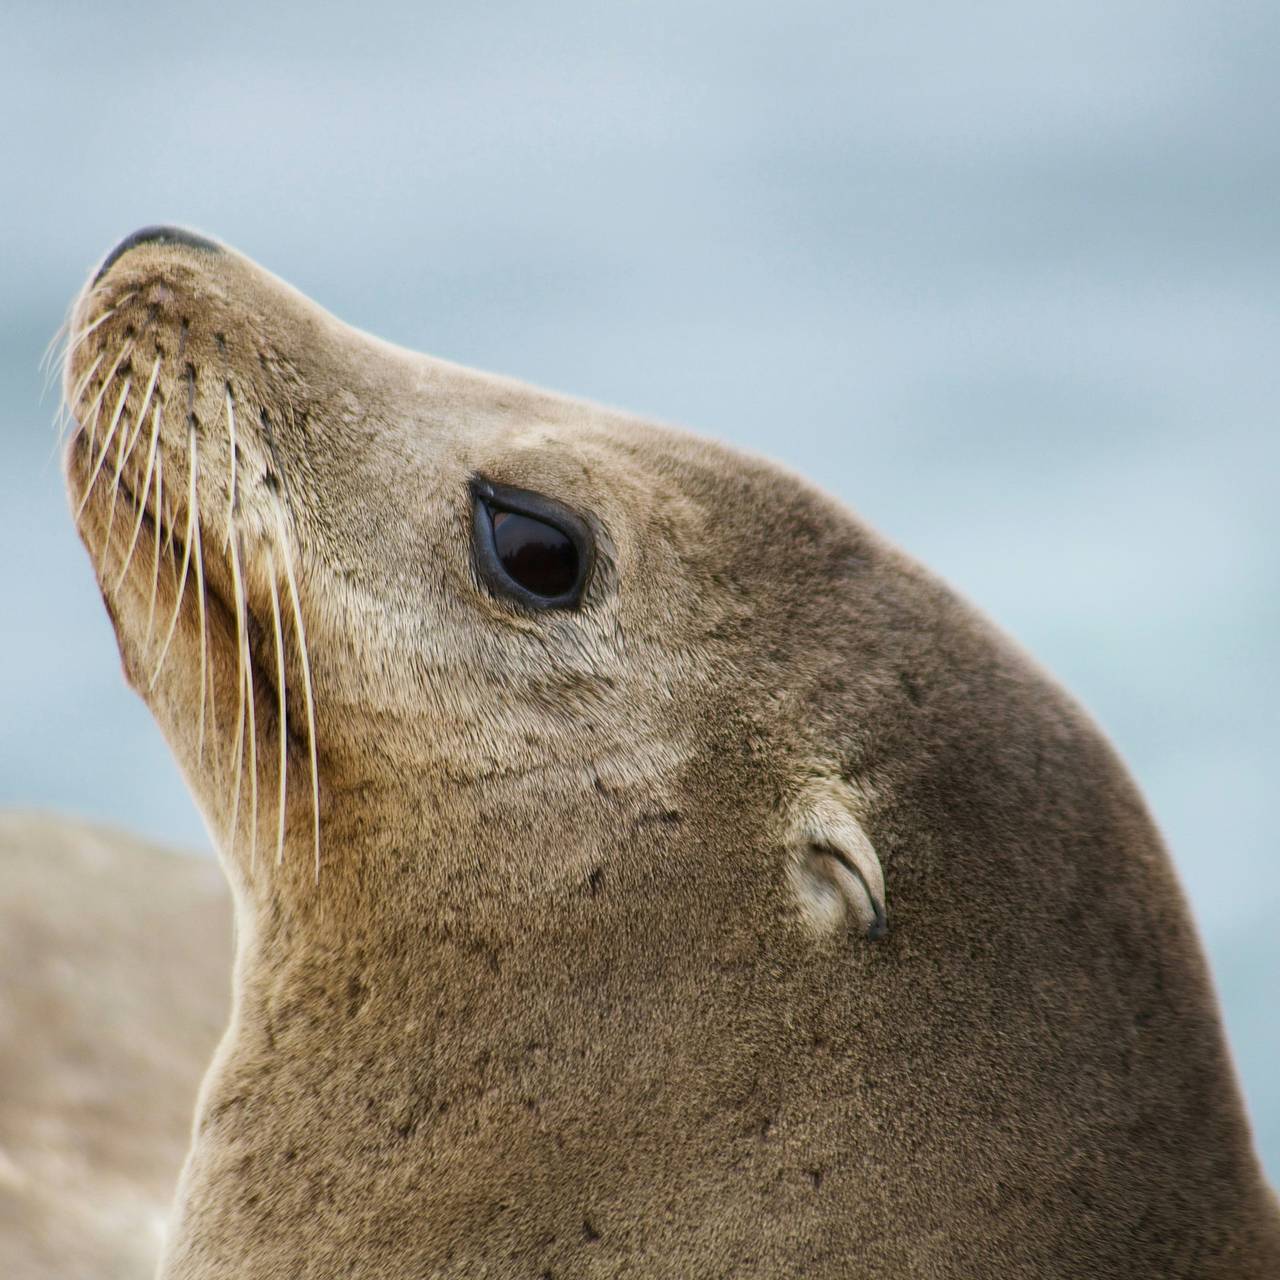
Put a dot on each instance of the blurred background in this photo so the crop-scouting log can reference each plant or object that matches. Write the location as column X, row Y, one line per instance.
column 1003, row 277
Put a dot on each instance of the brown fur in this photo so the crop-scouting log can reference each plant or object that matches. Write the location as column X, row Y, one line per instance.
column 555, row 1004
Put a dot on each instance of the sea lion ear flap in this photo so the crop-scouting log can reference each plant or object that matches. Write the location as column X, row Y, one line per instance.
column 834, row 870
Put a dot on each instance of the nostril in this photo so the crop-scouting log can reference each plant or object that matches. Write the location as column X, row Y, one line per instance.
column 155, row 235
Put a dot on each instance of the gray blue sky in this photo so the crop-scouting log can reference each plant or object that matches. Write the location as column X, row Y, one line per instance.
column 1003, row 277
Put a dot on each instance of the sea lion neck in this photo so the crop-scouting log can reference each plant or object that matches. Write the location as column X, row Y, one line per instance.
column 552, row 854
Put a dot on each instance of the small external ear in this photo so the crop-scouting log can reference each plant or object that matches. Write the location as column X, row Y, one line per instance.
column 834, row 870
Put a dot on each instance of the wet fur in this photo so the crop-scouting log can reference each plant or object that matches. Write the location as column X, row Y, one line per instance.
column 550, row 1006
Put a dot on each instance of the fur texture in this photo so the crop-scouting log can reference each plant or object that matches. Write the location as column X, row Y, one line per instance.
column 550, row 997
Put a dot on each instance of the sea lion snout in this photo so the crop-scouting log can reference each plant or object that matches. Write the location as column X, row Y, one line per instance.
column 155, row 235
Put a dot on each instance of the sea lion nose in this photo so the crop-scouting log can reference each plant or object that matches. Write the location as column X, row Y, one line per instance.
column 155, row 235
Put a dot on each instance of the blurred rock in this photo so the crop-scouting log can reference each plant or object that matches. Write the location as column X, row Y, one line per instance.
column 115, row 962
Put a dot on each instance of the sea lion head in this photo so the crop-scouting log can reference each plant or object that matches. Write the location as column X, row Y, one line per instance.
column 639, row 864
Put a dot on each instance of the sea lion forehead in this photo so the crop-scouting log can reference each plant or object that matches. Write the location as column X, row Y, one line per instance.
column 370, row 454
column 375, row 441
column 233, row 318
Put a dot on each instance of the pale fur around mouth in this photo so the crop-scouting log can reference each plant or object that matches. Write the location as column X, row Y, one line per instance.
column 231, row 630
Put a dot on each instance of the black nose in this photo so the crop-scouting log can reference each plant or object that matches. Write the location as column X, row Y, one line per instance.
column 155, row 235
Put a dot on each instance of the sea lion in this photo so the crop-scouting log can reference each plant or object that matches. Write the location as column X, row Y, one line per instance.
column 640, row 866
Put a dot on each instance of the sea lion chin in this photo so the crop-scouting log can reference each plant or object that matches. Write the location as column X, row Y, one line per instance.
column 640, row 866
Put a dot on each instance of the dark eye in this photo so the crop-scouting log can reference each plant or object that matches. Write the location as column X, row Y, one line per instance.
column 540, row 557
column 529, row 547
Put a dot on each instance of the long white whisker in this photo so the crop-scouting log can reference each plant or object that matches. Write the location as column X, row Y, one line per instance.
column 121, row 438
column 72, row 345
column 124, row 449
column 146, row 404
column 155, row 554
column 106, row 445
column 94, row 412
column 242, row 609
column 115, row 419
column 193, row 524
column 282, row 711
column 170, row 538
column 146, row 489
column 90, row 328
column 188, row 537
column 231, row 479
column 66, row 414
column 47, row 361
column 238, row 749
column 307, row 686
column 74, row 398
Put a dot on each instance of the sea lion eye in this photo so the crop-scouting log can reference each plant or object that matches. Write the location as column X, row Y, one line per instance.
column 529, row 547
column 535, row 554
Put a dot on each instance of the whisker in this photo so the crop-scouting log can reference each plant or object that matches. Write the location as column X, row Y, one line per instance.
column 96, row 407
column 106, row 445
column 47, row 361
column 231, row 479
column 155, row 555
column 116, row 413
column 282, row 711
column 85, row 377
column 193, row 506
column 115, row 490
column 146, row 489
column 124, row 449
column 246, row 668
column 182, row 578
column 307, row 686
column 146, row 402
column 62, row 335
column 79, row 339
column 230, row 544
column 238, row 749
column 66, row 414
column 170, row 537
column 64, row 329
